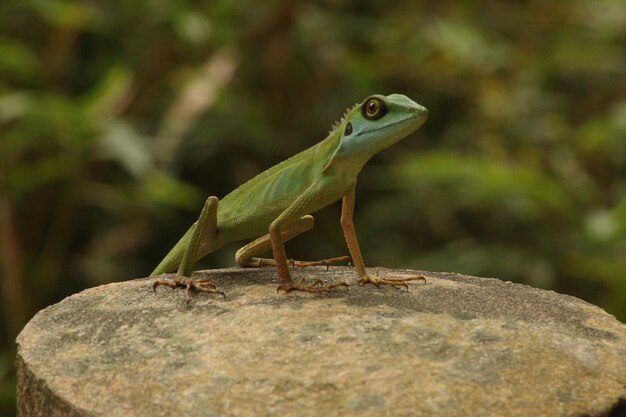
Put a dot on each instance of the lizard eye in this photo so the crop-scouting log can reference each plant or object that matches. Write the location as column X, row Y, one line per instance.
column 348, row 130
column 374, row 109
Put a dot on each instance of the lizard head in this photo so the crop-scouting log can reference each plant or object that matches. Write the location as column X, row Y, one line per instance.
column 377, row 123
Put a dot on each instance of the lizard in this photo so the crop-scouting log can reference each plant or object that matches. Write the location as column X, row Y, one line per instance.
column 276, row 205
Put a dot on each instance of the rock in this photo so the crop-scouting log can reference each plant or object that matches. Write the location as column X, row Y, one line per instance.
column 456, row 346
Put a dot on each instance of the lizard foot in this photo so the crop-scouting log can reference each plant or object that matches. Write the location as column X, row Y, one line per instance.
column 302, row 264
column 201, row 285
column 395, row 282
column 317, row 286
column 321, row 262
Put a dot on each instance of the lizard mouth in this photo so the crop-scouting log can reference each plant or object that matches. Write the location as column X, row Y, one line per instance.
column 411, row 123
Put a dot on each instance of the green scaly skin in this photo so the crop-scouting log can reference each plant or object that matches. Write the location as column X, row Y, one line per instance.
column 298, row 186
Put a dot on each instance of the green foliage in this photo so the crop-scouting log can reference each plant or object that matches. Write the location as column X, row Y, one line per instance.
column 118, row 118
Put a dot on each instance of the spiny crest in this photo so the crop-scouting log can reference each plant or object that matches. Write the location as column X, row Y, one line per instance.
column 338, row 123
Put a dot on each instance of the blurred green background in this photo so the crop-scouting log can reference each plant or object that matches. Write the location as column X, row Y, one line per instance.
column 118, row 118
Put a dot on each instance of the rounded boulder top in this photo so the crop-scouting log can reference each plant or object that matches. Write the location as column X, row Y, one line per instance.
column 455, row 346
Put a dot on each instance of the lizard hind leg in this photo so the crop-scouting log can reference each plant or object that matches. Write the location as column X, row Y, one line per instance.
column 247, row 256
column 205, row 227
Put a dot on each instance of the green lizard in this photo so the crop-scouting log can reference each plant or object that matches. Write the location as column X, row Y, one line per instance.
column 277, row 203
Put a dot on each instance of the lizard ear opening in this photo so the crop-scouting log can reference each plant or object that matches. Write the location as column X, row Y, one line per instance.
column 348, row 130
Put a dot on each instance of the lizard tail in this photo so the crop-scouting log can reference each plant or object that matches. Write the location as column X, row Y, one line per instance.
column 172, row 260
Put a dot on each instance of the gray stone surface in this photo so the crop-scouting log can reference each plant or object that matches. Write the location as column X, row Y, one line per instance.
column 457, row 346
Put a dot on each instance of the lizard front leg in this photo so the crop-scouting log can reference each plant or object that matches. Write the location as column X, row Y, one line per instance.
column 347, row 212
column 205, row 226
column 276, row 230
column 247, row 256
